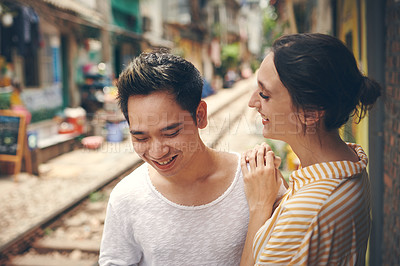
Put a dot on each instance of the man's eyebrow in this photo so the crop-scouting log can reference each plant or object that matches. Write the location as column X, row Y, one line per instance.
column 172, row 126
column 175, row 125
column 136, row 132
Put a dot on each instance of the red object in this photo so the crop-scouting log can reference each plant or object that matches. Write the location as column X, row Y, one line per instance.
column 78, row 123
column 66, row 128
column 92, row 142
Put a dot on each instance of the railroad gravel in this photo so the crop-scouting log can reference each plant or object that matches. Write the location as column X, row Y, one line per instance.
column 63, row 180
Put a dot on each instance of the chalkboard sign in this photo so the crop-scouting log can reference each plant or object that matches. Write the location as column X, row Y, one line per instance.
column 12, row 138
column 9, row 134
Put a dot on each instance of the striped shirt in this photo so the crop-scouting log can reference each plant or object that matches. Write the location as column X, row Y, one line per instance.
column 323, row 219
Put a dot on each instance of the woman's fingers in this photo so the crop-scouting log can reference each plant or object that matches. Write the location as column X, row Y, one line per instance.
column 243, row 164
column 257, row 158
column 260, row 155
column 271, row 164
column 252, row 157
column 269, row 160
column 267, row 147
column 277, row 161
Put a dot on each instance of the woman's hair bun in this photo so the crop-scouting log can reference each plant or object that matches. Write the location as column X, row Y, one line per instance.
column 370, row 90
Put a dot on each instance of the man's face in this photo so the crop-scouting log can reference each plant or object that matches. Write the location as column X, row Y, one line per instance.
column 163, row 134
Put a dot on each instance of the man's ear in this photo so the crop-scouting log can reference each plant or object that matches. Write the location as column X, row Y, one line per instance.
column 201, row 115
column 311, row 117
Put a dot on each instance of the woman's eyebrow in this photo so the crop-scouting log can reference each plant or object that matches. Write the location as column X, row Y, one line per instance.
column 263, row 87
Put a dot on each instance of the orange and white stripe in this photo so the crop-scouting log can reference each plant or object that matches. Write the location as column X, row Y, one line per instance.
column 323, row 219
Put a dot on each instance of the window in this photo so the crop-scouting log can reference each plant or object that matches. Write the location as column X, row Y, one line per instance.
column 41, row 66
column 31, row 67
column 49, row 60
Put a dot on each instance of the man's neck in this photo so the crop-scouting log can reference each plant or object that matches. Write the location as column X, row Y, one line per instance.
column 201, row 166
column 206, row 179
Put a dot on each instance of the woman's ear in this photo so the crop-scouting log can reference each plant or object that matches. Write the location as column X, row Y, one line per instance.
column 311, row 117
column 201, row 115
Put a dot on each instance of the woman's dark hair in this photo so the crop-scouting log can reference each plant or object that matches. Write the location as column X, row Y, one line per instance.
column 320, row 73
column 161, row 71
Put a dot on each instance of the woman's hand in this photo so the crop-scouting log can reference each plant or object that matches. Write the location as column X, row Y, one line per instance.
column 262, row 183
column 261, row 178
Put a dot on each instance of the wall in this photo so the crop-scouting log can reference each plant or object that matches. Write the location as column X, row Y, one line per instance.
column 46, row 99
column 391, row 218
column 351, row 31
column 322, row 17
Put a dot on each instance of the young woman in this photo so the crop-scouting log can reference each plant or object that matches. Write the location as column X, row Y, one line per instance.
column 308, row 87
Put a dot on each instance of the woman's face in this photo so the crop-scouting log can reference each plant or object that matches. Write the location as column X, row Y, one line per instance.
column 273, row 102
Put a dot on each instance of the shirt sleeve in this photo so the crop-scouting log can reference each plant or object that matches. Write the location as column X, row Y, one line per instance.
column 289, row 239
column 118, row 246
column 317, row 230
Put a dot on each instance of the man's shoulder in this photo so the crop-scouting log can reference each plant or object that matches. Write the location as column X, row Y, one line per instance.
column 229, row 165
column 132, row 183
column 229, row 159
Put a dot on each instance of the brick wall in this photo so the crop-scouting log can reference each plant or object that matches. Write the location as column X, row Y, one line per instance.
column 391, row 198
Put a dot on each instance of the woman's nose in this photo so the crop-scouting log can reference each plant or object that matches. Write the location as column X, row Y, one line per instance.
column 254, row 102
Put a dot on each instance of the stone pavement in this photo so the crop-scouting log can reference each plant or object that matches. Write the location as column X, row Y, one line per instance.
column 70, row 177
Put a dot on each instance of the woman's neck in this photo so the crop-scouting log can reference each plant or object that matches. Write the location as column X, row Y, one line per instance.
column 323, row 147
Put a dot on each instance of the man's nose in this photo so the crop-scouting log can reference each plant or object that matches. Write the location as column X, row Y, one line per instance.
column 158, row 149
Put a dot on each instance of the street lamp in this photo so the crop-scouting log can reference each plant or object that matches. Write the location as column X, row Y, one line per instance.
column 7, row 20
column 6, row 17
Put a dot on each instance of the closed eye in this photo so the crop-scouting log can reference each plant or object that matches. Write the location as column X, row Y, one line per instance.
column 262, row 95
column 140, row 139
column 173, row 134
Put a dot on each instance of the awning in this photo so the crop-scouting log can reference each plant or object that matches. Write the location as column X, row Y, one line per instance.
column 157, row 42
column 121, row 31
column 81, row 9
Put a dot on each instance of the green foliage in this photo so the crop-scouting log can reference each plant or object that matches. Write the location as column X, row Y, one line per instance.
column 97, row 196
column 43, row 114
column 229, row 57
column 48, row 231
column 279, row 148
column 255, row 64
column 216, row 30
column 230, row 54
column 271, row 28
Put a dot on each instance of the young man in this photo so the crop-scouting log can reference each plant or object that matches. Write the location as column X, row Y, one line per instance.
column 186, row 205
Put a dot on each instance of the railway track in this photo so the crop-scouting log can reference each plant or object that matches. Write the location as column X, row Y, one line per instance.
column 73, row 236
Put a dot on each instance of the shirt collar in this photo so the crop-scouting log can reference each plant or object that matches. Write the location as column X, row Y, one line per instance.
column 335, row 170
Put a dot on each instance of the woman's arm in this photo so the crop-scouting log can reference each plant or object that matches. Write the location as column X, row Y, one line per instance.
column 261, row 186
